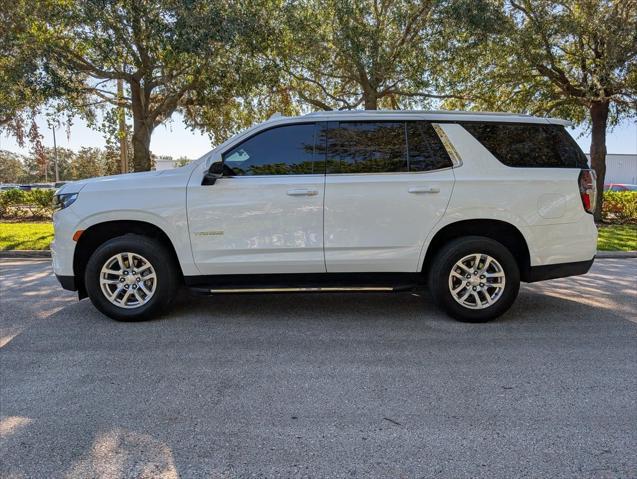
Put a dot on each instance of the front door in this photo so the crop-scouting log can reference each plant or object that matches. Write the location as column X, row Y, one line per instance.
column 388, row 183
column 266, row 215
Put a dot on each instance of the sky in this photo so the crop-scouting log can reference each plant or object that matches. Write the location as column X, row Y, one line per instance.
column 175, row 139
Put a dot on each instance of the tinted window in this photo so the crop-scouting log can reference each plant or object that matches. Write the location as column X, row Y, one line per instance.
column 426, row 151
column 366, row 147
column 529, row 145
column 283, row 150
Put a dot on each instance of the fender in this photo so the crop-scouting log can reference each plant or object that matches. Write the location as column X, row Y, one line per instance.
column 456, row 215
column 175, row 229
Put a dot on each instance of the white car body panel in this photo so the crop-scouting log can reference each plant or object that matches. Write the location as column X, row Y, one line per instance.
column 158, row 198
column 354, row 222
column 257, row 224
column 527, row 198
column 379, row 221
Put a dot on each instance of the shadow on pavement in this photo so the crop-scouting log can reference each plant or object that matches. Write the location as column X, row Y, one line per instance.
column 319, row 384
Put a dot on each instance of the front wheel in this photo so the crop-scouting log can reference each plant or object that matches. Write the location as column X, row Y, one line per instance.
column 131, row 278
column 474, row 279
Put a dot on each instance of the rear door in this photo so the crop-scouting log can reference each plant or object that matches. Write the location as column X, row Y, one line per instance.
column 388, row 183
column 265, row 215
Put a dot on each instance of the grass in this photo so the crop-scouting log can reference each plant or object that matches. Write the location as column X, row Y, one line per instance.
column 39, row 236
column 617, row 238
column 25, row 236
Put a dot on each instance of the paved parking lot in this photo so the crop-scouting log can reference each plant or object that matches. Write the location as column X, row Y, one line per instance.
column 320, row 385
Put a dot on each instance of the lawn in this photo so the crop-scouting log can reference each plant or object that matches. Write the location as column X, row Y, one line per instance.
column 25, row 236
column 40, row 235
column 617, row 238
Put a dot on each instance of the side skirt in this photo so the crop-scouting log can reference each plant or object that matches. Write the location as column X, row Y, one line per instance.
column 311, row 282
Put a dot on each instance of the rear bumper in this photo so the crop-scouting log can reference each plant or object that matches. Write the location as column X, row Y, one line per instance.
column 67, row 282
column 560, row 270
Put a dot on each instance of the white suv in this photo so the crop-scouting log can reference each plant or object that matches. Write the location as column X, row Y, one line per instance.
column 468, row 203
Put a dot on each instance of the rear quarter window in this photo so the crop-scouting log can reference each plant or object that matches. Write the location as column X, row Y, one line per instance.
column 529, row 145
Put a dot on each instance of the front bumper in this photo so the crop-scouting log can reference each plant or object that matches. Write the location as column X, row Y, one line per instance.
column 65, row 223
column 67, row 282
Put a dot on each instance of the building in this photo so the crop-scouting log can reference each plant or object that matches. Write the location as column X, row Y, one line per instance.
column 620, row 168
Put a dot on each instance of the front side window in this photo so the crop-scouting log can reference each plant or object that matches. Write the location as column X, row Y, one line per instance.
column 529, row 145
column 282, row 150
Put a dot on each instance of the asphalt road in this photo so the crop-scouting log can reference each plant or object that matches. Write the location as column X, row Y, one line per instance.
column 320, row 385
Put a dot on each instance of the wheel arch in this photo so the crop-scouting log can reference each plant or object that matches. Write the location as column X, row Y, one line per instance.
column 501, row 231
column 99, row 233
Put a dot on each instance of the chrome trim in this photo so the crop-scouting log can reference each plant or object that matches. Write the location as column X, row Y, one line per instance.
column 451, row 150
column 393, row 173
column 303, row 290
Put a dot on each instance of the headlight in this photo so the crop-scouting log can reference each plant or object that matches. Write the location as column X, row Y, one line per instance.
column 63, row 200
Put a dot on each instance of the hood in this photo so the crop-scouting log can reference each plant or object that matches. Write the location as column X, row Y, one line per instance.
column 76, row 186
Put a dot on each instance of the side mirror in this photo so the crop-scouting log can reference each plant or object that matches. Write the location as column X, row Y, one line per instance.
column 214, row 173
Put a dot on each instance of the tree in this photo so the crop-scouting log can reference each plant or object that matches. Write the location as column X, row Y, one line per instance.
column 88, row 163
column 346, row 53
column 160, row 49
column 26, row 82
column 66, row 158
column 11, row 167
column 575, row 59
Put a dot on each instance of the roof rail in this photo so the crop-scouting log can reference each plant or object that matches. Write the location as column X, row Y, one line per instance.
column 416, row 112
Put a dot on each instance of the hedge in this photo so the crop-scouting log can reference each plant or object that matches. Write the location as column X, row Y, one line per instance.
column 620, row 206
column 20, row 204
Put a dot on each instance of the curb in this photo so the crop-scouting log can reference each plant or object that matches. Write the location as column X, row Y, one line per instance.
column 615, row 254
column 26, row 253
column 30, row 253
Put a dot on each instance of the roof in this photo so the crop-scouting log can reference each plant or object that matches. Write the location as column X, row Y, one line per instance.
column 433, row 115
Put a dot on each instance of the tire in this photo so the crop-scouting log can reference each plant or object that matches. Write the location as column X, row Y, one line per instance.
column 138, row 298
column 499, row 283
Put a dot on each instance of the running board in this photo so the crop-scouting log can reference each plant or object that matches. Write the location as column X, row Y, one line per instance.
column 318, row 289
column 304, row 283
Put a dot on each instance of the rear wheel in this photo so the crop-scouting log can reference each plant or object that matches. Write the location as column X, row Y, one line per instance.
column 474, row 279
column 131, row 278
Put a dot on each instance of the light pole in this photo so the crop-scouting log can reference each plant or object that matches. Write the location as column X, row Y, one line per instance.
column 55, row 157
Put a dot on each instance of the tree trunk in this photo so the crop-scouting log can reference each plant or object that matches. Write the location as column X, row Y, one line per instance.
column 142, row 128
column 371, row 101
column 141, row 147
column 599, row 122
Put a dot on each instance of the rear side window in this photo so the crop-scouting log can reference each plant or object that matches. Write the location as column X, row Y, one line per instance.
column 426, row 151
column 366, row 147
column 383, row 147
column 529, row 145
column 283, row 150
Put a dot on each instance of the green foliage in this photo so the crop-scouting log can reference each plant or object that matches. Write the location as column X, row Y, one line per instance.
column 27, row 83
column 617, row 238
column 21, row 204
column 620, row 206
column 341, row 54
column 171, row 55
column 544, row 56
column 11, row 167
column 25, row 236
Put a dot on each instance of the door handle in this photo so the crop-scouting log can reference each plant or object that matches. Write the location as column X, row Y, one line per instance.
column 302, row 192
column 423, row 189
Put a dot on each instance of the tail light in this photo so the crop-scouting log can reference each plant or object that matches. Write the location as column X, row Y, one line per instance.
column 588, row 189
